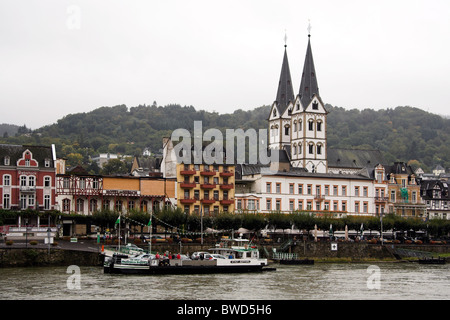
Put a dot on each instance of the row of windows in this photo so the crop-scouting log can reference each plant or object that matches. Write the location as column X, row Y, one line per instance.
column 271, row 204
column 118, row 205
column 206, row 194
column 327, row 190
column 206, row 210
column 297, row 126
column 27, row 181
column 26, row 201
column 298, row 148
column 7, row 162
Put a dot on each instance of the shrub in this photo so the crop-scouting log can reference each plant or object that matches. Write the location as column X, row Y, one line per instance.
column 33, row 242
column 9, row 242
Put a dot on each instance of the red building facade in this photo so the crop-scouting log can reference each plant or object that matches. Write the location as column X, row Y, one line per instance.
column 27, row 177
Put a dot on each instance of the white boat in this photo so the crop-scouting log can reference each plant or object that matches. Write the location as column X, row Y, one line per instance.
column 230, row 255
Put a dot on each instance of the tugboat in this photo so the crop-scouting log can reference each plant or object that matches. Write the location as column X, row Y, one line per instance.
column 229, row 256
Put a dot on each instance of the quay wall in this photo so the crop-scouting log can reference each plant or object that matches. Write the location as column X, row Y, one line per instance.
column 347, row 251
column 21, row 257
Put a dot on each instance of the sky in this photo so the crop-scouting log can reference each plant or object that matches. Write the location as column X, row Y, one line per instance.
column 60, row 57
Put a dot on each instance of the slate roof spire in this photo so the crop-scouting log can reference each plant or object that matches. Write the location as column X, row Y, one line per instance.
column 285, row 92
column 308, row 84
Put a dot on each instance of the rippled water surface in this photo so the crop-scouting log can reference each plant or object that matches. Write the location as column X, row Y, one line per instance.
column 319, row 281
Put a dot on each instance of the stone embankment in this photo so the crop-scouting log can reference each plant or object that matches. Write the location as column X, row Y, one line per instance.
column 88, row 253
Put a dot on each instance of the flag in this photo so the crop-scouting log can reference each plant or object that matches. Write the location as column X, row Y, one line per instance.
column 331, row 229
column 118, row 220
column 361, row 229
column 149, row 222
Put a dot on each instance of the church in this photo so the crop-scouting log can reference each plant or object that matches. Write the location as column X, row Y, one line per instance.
column 310, row 176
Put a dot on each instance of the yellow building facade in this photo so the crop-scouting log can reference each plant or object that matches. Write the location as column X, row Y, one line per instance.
column 209, row 189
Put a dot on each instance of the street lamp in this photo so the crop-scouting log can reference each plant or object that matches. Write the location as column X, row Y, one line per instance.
column 26, row 233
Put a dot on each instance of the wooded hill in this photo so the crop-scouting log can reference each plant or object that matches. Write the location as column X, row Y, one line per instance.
column 402, row 134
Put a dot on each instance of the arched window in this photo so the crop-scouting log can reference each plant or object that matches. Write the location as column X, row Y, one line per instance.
column 311, row 148
column 319, row 125
column 286, row 130
column 319, row 149
column 294, row 149
column 299, row 125
column 80, row 205
column 310, row 124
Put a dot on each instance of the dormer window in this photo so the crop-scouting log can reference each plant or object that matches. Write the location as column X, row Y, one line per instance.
column 6, row 161
column 274, row 113
column 315, row 106
column 47, row 163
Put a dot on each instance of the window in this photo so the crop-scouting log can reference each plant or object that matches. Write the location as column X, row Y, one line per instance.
column 299, row 125
column 319, row 125
column 23, row 201
column 66, row 183
column 344, row 205
column 310, row 125
column 23, row 181
column 315, row 105
column 206, row 194
column 309, row 189
column 327, row 190
column 118, row 205
column 300, row 189
column 365, row 191
column 186, row 209
column 47, row 182
column 319, row 149
column 251, row 204
column 365, row 207
column 291, row 188
column 66, row 205
column 291, row 205
column 294, row 149
column 6, row 161
column 286, row 130
column 216, row 195
column 344, row 190
column 300, row 204
column 31, row 200
column 311, row 148
column 309, row 205
column 186, row 193
column 269, row 204
column 318, row 206
column 47, row 202
column 80, row 205
column 356, row 206
column 335, row 190
column 6, row 201
column 196, row 194
column 335, row 205
column 393, row 196
column 278, row 205
column 268, row 187
column 278, row 187
column 413, row 196
column 95, row 183
column 32, row 181
column 356, row 191
column 326, row 206
column 6, row 180
column 295, row 126
column 318, row 190
column 47, row 163
column 93, row 205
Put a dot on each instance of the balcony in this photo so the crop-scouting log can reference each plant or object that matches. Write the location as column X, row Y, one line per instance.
column 226, row 201
column 27, row 189
column 208, row 201
column 188, row 172
column 188, row 200
column 208, row 185
column 226, row 186
column 227, row 174
column 381, row 199
column 319, row 197
column 207, row 173
column 185, row 185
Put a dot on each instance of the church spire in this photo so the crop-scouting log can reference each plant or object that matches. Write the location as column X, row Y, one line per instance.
column 308, row 85
column 285, row 92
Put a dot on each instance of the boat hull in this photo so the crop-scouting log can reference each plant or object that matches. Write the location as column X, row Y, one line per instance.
column 151, row 270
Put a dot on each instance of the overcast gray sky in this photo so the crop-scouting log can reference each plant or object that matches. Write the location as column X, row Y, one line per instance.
column 59, row 57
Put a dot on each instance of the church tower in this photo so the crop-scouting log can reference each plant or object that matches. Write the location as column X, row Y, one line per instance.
column 309, row 121
column 279, row 118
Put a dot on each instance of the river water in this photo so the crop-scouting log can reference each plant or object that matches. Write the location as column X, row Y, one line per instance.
column 322, row 281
